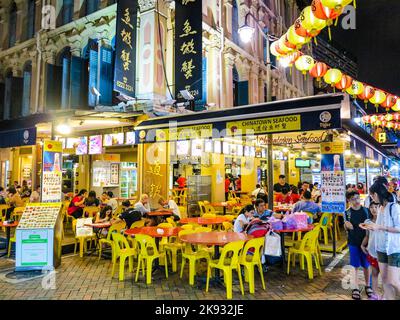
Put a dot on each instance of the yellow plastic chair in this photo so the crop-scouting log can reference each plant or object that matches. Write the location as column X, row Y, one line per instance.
column 202, row 229
column 90, row 211
column 192, row 256
column 82, row 240
column 171, row 221
column 227, row 226
column 210, row 210
column 326, row 225
column 171, row 248
column 229, row 217
column 250, row 261
column 187, row 227
column 227, row 265
column 17, row 213
column 148, row 252
column 122, row 251
column 108, row 240
column 306, row 248
column 209, row 215
column 202, row 208
column 136, row 224
column 3, row 212
column 117, row 212
column 13, row 239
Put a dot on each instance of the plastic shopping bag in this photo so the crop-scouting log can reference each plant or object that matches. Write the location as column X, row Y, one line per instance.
column 272, row 245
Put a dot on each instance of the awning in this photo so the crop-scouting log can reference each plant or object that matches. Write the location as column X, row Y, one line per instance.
column 303, row 114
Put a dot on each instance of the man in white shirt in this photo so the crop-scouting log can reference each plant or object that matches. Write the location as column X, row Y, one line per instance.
column 112, row 202
column 143, row 205
column 257, row 191
column 170, row 204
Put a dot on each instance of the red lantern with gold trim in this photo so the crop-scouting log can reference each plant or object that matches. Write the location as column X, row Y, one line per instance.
column 319, row 70
column 366, row 119
column 389, row 102
column 322, row 12
column 344, row 83
column 299, row 29
column 396, row 116
column 367, row 94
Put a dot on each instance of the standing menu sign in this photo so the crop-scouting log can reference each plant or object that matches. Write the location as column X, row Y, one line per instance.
column 125, row 49
column 333, row 185
column 188, row 48
column 38, row 237
column 51, row 171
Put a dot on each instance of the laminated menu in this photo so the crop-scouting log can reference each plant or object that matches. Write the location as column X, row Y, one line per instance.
column 39, row 215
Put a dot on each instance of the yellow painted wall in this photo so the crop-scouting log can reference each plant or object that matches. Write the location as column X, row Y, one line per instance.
column 249, row 173
column 218, row 171
column 295, row 171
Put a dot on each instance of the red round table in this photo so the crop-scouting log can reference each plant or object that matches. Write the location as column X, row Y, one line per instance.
column 203, row 221
column 159, row 213
column 224, row 205
column 152, row 231
column 8, row 227
column 283, row 232
column 101, row 225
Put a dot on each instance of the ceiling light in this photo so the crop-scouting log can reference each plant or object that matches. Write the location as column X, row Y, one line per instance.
column 63, row 128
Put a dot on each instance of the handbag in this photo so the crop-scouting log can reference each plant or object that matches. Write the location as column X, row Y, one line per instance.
column 272, row 245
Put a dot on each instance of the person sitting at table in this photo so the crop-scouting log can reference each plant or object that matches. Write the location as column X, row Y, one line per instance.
column 75, row 208
column 14, row 201
column 262, row 212
column 306, row 204
column 129, row 215
column 258, row 190
column 25, row 190
column 294, row 193
column 91, row 200
column 238, row 183
column 281, row 184
column 143, row 205
column 3, row 196
column 284, row 197
column 35, row 196
column 112, row 202
column 304, row 187
column 105, row 215
column 244, row 217
column 170, row 204
column 104, row 197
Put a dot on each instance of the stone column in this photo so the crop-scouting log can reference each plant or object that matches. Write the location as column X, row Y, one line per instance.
column 21, row 21
column 213, row 94
column 253, row 83
column 4, row 20
column 38, row 15
column 34, row 84
column 149, row 65
column 261, row 82
column 228, row 79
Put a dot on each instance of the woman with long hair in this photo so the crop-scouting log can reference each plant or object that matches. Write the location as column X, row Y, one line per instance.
column 387, row 237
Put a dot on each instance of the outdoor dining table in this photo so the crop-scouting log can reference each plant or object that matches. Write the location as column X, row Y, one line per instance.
column 8, row 227
column 204, row 221
column 159, row 216
column 216, row 239
column 282, row 234
column 224, row 205
column 99, row 228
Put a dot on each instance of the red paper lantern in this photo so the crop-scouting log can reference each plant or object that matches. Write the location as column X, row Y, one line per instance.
column 389, row 102
column 381, row 117
column 396, row 116
column 344, row 83
column 366, row 119
column 383, row 123
column 390, row 125
column 324, row 13
column 367, row 94
column 288, row 44
column 319, row 70
column 300, row 30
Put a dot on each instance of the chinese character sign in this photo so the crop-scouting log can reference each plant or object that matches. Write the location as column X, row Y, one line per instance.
column 125, row 59
column 188, row 48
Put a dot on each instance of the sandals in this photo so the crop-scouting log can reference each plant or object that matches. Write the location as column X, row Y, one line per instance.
column 356, row 294
column 369, row 291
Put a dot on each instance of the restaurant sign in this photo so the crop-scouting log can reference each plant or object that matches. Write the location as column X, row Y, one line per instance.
column 125, row 49
column 188, row 48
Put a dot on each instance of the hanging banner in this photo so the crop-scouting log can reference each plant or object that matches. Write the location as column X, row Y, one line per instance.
column 188, row 49
column 125, row 48
column 51, row 171
column 333, row 185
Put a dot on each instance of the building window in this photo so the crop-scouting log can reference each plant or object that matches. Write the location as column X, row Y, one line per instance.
column 31, row 19
column 92, row 6
column 235, row 23
column 26, row 96
column 12, row 30
column 65, row 62
column 235, row 86
column 67, row 11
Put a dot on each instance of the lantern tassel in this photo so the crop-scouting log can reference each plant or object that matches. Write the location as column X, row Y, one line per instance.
column 315, row 41
column 290, row 70
column 329, row 34
column 376, row 108
column 336, row 21
column 366, row 104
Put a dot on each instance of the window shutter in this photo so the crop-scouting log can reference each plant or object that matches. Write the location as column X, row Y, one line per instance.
column 243, row 93
column 16, row 97
column 65, row 83
column 93, row 65
column 106, row 76
column 53, row 89
column 78, row 84
column 26, row 97
column 7, row 98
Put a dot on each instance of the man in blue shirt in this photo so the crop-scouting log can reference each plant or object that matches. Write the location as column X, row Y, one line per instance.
column 262, row 212
column 307, row 204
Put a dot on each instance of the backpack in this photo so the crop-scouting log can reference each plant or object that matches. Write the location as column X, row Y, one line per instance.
column 347, row 214
column 257, row 228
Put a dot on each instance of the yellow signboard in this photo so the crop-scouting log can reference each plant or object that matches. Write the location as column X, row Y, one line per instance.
column 53, row 146
column 332, row 147
column 183, row 133
column 265, row 125
column 382, row 137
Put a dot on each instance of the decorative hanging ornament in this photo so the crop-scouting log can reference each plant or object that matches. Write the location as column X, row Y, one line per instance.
column 389, row 102
column 389, row 125
column 325, row 13
column 311, row 23
column 288, row 44
column 366, row 119
column 396, row 116
column 304, row 64
column 388, row 117
column 274, row 49
column 396, row 106
column 332, row 77
column 373, row 119
column 336, row 5
column 319, row 70
column 344, row 83
column 295, row 39
column 355, row 89
column 283, row 47
column 378, row 97
column 368, row 93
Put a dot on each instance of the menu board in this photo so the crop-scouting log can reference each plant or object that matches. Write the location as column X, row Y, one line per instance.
column 333, row 185
column 113, row 139
column 82, row 147
column 51, row 185
column 182, row 148
column 114, row 173
column 130, row 138
column 39, row 215
column 197, row 148
column 72, row 143
column 95, row 144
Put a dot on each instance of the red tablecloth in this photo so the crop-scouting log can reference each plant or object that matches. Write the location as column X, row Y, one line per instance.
column 203, row 221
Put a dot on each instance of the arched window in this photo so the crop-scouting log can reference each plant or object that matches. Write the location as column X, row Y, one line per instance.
column 92, row 6
column 31, row 19
column 12, row 30
column 26, row 95
column 7, row 95
column 67, row 11
column 235, row 22
column 65, row 62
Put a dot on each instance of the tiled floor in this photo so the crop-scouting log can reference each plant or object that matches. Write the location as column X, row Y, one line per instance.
column 87, row 279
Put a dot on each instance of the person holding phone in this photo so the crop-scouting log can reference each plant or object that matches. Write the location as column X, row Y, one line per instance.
column 243, row 219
